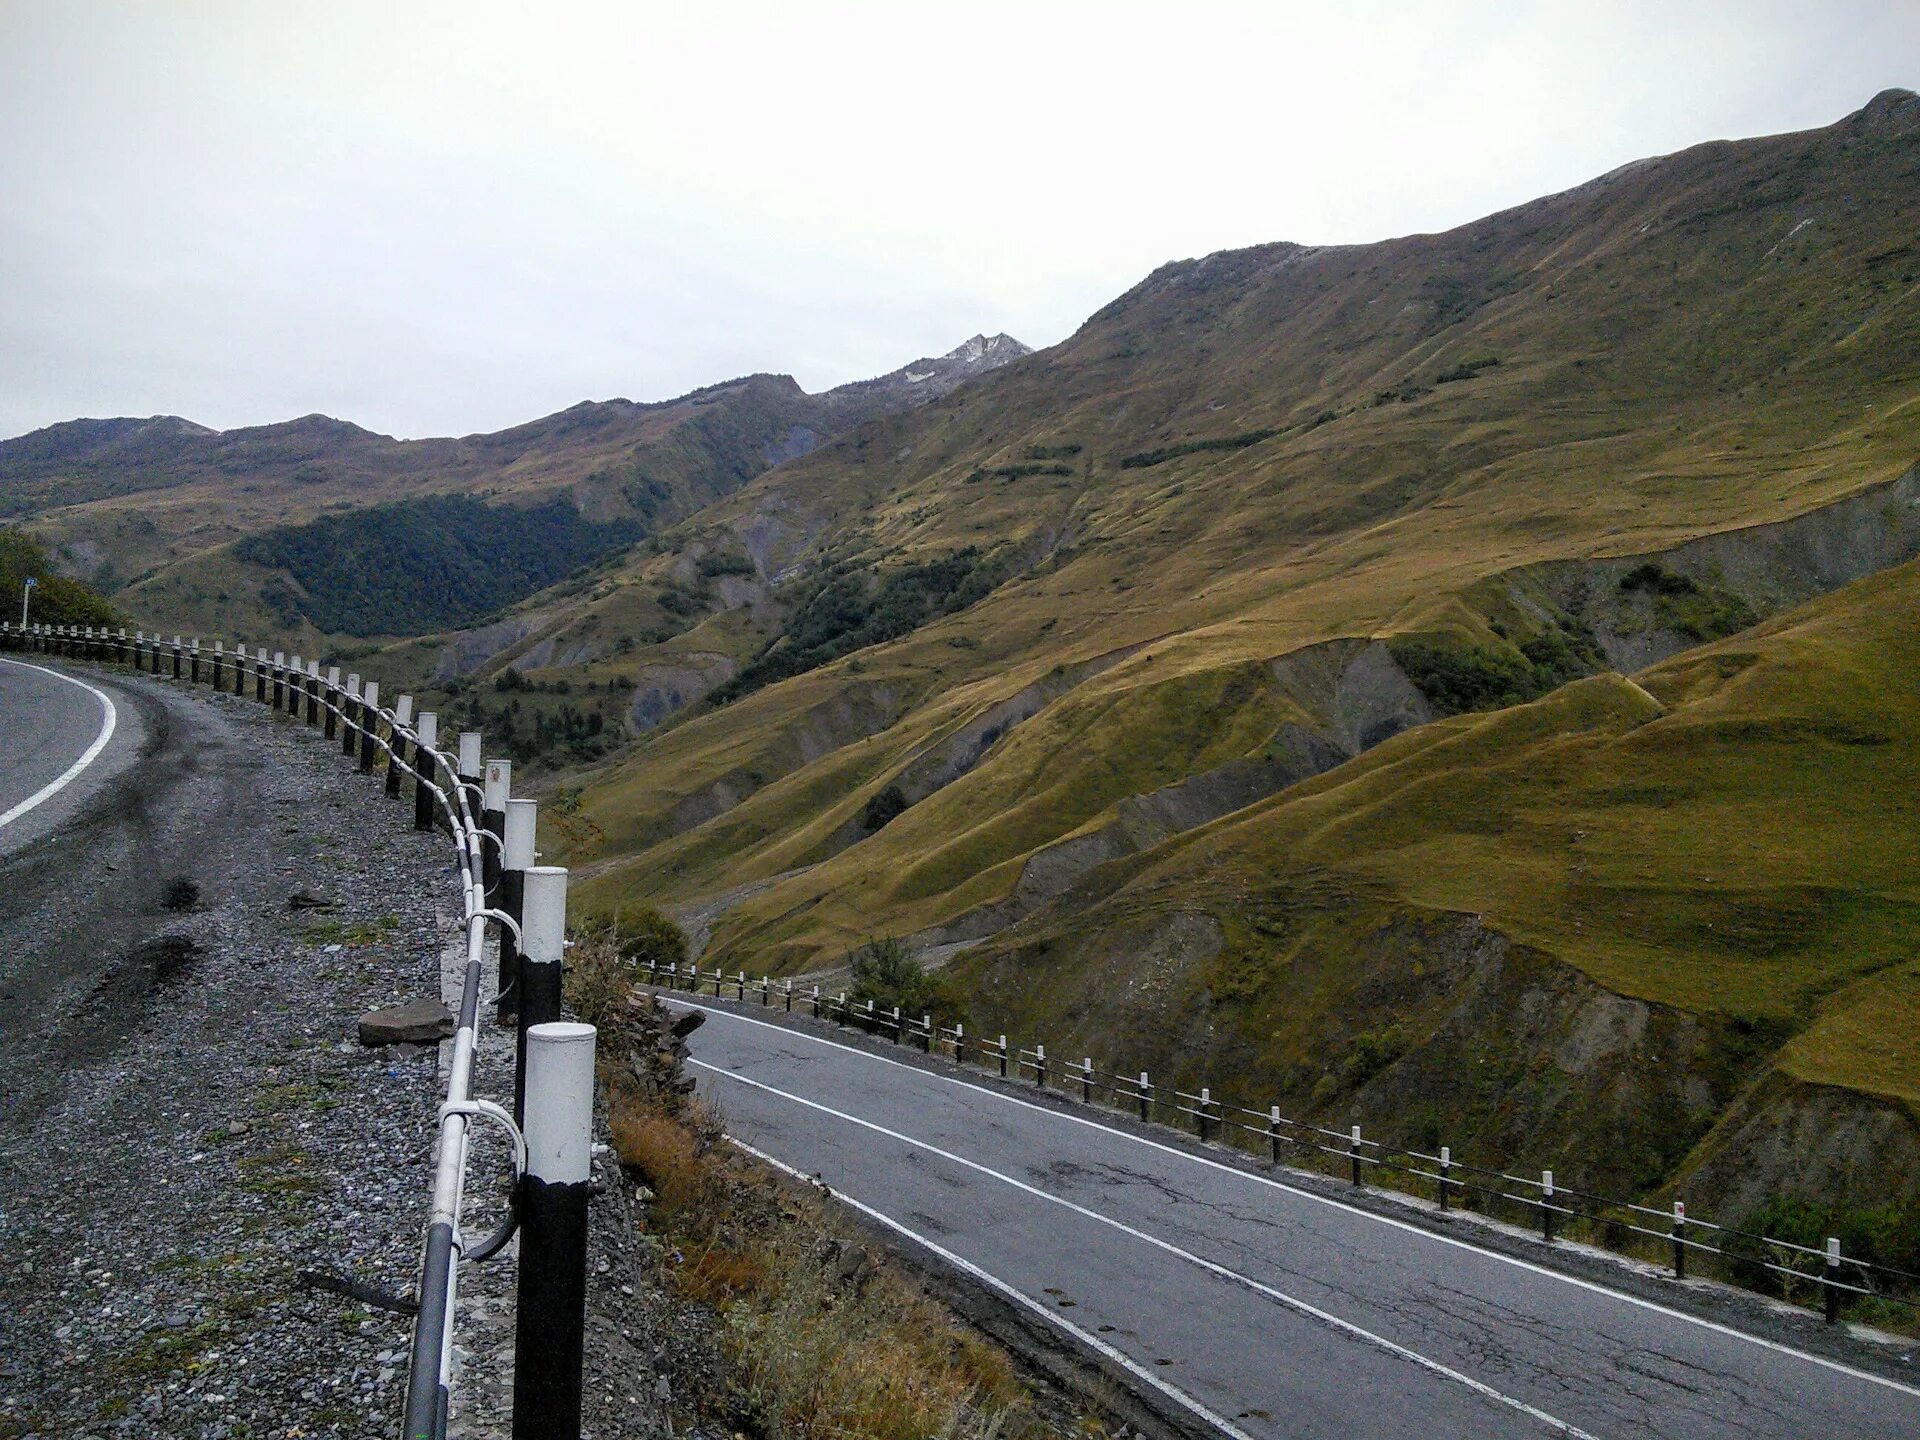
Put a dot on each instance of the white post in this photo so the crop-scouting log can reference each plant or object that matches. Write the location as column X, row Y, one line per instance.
column 550, row 1319
column 516, row 858
column 543, row 938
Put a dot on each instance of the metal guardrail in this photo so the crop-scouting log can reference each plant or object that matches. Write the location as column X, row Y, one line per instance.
column 557, row 1113
column 1556, row 1209
column 1553, row 1207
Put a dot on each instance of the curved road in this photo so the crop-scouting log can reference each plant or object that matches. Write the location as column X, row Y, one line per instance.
column 1256, row 1302
column 54, row 730
column 154, row 797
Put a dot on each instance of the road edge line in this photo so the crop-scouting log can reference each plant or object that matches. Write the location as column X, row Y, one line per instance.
column 92, row 753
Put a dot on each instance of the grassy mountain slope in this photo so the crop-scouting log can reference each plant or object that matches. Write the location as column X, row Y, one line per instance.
column 1678, row 354
column 1723, row 845
column 1239, row 515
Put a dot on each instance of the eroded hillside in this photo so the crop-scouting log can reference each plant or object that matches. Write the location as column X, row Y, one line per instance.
column 1262, row 514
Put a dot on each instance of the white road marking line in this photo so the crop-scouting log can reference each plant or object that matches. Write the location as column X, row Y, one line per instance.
column 1314, row 1312
column 995, row 1283
column 1593, row 1287
column 111, row 720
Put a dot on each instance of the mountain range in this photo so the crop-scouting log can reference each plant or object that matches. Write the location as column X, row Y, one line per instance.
column 1463, row 683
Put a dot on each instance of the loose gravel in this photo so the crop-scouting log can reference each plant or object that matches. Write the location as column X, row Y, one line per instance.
column 157, row 1215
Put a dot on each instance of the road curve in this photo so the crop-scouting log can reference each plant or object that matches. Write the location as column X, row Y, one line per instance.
column 53, row 727
column 1256, row 1304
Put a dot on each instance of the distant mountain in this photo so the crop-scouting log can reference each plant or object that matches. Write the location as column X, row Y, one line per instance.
column 130, row 501
column 924, row 379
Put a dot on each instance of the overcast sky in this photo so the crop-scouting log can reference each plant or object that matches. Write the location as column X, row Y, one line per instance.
column 439, row 219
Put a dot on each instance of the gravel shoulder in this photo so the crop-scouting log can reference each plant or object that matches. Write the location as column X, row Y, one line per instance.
column 190, row 1123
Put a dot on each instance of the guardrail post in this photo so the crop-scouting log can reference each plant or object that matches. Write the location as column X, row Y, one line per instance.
column 193, row 661
column 816, row 1002
column 219, row 665
column 313, row 692
column 1446, row 1172
column 179, row 651
column 1546, row 1206
column 350, row 716
column 494, row 790
column 1040, row 1065
column 543, row 939
column 766, row 992
column 516, row 858
column 330, row 726
column 1833, row 1280
column 1146, row 1098
column 120, row 647
column 1003, row 1057
column 550, row 1323
column 467, row 766
column 899, row 1027
column 1086, row 1081
column 369, row 723
column 959, row 1042
column 1679, row 1240
column 1200, row 1117
column 926, row 1024
column 280, row 679
column 1273, row 1134
column 426, row 735
column 789, row 997
column 260, row 674
column 1353, row 1153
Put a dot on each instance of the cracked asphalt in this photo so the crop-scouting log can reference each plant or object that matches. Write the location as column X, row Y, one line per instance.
column 1265, row 1309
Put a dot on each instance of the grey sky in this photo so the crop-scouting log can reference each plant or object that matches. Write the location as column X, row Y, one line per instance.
column 453, row 217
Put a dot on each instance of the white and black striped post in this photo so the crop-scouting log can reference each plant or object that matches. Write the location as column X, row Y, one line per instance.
column 193, row 667
column 350, row 716
column 330, row 727
column 543, row 938
column 260, row 674
column 313, row 693
column 550, row 1326
column 219, row 665
column 397, row 758
column 369, row 723
column 466, row 767
column 495, row 786
column 516, row 858
column 179, row 653
column 239, row 668
column 279, row 680
column 296, row 685
column 426, row 736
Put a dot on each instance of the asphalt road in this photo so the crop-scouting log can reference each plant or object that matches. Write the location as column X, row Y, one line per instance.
column 85, row 872
column 57, row 744
column 1259, row 1305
